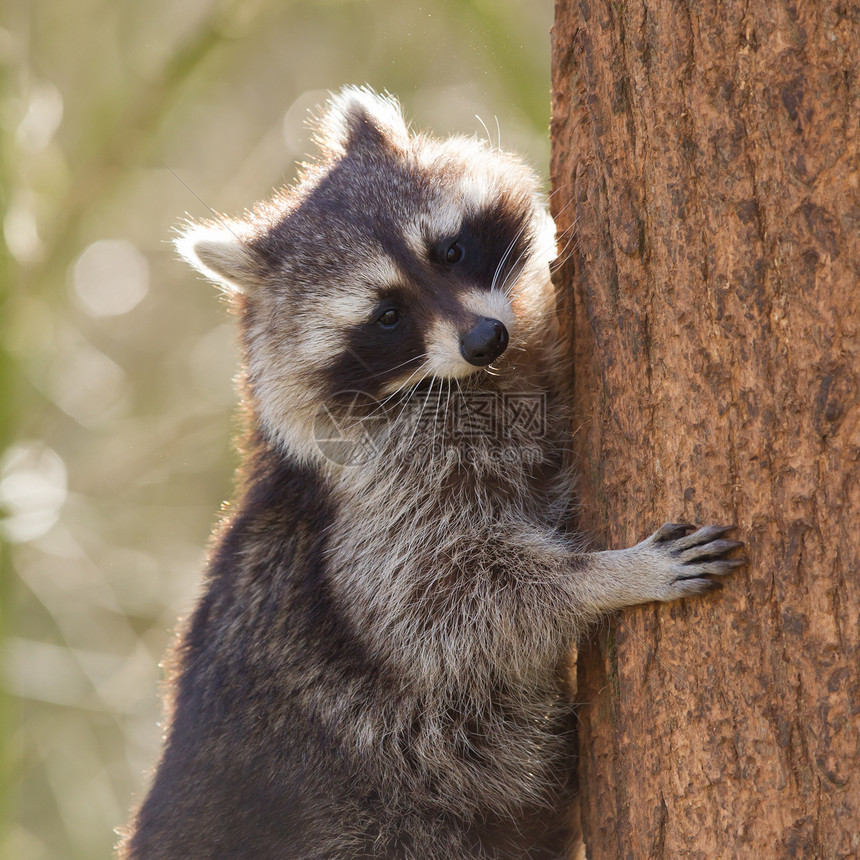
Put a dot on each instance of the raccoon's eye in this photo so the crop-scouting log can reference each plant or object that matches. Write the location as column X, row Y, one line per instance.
column 453, row 254
column 389, row 318
column 448, row 251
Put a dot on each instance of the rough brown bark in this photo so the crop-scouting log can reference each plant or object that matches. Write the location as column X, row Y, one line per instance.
column 708, row 156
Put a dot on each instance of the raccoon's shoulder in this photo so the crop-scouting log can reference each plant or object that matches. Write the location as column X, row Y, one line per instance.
column 283, row 504
column 268, row 596
column 269, row 543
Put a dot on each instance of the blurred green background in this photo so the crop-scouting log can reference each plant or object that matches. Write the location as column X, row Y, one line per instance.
column 116, row 399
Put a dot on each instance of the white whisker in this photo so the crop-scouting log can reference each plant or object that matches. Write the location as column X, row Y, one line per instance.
column 421, row 413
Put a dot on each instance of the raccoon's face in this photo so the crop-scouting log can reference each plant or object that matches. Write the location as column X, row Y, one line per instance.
column 396, row 259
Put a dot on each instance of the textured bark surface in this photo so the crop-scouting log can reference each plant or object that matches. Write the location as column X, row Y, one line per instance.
column 708, row 154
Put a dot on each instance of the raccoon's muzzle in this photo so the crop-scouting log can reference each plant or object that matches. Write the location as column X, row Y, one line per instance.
column 485, row 342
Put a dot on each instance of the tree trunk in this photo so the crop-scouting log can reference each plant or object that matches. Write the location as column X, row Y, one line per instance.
column 706, row 169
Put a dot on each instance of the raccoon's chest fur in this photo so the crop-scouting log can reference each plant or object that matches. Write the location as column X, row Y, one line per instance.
column 430, row 534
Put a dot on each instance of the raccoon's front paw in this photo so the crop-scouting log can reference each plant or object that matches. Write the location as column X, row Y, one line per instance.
column 692, row 558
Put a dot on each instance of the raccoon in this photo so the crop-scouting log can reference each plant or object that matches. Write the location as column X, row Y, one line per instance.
column 377, row 667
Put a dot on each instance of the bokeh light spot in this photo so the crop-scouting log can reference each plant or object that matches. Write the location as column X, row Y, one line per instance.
column 43, row 117
column 110, row 277
column 32, row 490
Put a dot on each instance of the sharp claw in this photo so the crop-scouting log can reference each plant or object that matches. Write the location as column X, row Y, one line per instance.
column 720, row 567
column 672, row 531
column 697, row 585
column 704, row 535
column 714, row 549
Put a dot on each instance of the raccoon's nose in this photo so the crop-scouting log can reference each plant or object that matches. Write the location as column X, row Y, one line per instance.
column 487, row 340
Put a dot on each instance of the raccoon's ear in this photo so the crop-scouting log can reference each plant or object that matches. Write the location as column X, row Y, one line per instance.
column 360, row 120
column 219, row 252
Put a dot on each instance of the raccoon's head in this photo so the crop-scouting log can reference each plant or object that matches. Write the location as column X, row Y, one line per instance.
column 396, row 258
